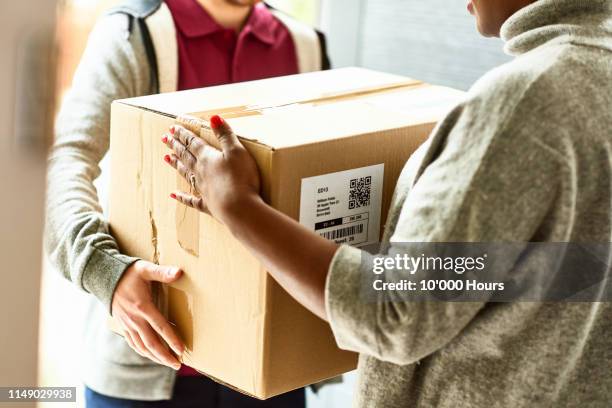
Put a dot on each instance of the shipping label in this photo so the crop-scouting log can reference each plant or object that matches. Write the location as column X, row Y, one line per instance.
column 344, row 207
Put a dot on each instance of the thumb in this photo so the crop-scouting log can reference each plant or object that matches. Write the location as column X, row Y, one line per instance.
column 159, row 273
column 223, row 131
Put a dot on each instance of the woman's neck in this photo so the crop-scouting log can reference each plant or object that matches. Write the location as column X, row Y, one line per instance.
column 229, row 14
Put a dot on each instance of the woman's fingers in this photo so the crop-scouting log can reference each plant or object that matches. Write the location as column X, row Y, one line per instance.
column 186, row 173
column 178, row 164
column 197, row 160
column 190, row 201
column 187, row 145
column 189, row 140
column 179, row 150
column 224, row 133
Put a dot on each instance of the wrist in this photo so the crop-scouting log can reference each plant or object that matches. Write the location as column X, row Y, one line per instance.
column 235, row 211
column 103, row 272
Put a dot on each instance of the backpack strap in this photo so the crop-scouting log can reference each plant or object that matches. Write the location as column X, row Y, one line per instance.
column 163, row 36
column 325, row 61
column 310, row 44
column 137, row 8
column 137, row 11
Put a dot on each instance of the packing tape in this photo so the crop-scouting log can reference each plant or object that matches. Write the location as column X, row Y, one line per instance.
column 325, row 98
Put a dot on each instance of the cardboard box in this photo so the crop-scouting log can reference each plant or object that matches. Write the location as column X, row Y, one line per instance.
column 330, row 147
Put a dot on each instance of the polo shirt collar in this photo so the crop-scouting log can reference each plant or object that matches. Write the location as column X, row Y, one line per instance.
column 194, row 21
column 262, row 24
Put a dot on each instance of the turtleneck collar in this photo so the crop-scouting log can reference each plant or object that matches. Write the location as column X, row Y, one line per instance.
column 547, row 20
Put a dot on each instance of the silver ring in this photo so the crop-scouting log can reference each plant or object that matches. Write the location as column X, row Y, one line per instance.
column 188, row 141
column 192, row 181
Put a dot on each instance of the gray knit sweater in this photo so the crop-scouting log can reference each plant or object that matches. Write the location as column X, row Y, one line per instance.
column 526, row 157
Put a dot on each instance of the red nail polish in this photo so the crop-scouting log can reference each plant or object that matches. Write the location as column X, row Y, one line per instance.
column 172, row 195
column 167, row 158
column 165, row 139
column 216, row 121
column 172, row 130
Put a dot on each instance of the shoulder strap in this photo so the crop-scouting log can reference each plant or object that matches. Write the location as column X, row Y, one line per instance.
column 325, row 61
column 137, row 8
column 163, row 36
column 310, row 45
column 137, row 11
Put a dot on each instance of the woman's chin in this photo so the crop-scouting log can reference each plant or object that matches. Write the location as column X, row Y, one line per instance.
column 485, row 31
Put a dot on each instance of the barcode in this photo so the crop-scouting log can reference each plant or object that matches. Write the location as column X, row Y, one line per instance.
column 359, row 192
column 343, row 232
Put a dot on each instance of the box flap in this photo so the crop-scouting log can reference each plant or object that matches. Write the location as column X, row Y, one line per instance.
column 266, row 92
column 328, row 104
column 388, row 109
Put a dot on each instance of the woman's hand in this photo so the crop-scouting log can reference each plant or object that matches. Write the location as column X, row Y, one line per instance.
column 227, row 182
column 144, row 327
column 222, row 179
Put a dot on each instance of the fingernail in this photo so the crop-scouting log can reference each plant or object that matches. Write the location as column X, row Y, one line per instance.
column 172, row 130
column 216, row 122
column 172, row 195
column 167, row 159
column 165, row 139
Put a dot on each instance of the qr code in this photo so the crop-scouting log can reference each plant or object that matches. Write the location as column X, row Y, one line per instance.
column 359, row 192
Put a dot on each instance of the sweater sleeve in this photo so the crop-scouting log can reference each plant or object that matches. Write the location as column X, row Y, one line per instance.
column 473, row 190
column 77, row 239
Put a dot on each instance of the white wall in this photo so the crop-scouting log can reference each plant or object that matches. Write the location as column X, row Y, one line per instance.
column 433, row 40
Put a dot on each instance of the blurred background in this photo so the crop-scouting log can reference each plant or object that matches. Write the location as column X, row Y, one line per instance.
column 432, row 40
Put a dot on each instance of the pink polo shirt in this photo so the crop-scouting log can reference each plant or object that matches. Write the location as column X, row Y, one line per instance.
column 210, row 54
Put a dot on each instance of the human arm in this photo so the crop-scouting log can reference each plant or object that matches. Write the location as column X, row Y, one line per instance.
column 478, row 203
column 296, row 257
column 77, row 238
